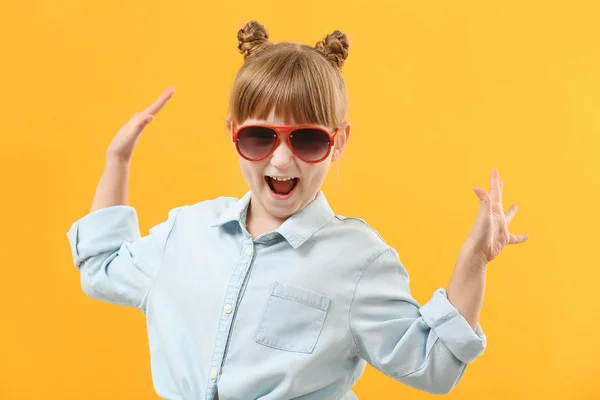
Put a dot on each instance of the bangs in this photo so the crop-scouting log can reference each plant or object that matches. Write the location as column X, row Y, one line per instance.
column 300, row 86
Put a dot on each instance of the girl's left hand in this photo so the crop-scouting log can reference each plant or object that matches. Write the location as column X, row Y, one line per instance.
column 490, row 234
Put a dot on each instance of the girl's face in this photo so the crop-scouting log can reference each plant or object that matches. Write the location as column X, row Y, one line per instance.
column 282, row 184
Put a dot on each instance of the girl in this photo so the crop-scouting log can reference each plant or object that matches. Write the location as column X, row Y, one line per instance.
column 273, row 295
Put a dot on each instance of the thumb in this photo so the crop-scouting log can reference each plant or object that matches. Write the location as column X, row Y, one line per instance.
column 146, row 119
column 143, row 119
column 139, row 122
column 484, row 198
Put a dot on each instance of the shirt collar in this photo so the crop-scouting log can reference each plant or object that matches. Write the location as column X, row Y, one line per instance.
column 236, row 211
column 297, row 229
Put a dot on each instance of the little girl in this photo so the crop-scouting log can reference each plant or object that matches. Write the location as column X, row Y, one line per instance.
column 274, row 296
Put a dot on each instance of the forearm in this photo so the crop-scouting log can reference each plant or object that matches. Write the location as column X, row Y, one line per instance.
column 113, row 186
column 424, row 346
column 466, row 288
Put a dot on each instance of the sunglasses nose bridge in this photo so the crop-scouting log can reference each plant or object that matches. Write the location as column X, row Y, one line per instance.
column 283, row 129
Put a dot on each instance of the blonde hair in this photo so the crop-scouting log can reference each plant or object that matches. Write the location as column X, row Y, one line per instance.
column 303, row 84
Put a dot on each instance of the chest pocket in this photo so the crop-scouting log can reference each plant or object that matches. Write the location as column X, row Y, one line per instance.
column 293, row 318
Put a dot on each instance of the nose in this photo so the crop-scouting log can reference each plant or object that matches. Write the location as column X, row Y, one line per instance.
column 282, row 157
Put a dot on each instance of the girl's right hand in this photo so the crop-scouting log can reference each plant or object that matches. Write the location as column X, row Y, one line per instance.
column 122, row 145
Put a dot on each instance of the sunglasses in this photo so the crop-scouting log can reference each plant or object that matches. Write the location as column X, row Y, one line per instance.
column 309, row 143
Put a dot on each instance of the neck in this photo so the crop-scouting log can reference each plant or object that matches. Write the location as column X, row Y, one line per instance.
column 259, row 221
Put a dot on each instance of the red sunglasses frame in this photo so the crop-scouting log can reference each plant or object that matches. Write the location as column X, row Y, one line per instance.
column 287, row 131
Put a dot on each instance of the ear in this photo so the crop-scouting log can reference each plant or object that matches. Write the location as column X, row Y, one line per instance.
column 341, row 139
column 229, row 124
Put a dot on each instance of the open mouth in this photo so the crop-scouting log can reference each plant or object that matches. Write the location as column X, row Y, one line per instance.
column 282, row 187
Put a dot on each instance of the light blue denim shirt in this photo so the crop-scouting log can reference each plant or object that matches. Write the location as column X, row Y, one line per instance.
column 295, row 313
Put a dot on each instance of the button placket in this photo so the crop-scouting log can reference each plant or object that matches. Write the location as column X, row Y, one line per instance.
column 231, row 299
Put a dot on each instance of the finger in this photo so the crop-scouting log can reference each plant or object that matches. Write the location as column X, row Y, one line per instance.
column 145, row 120
column 136, row 119
column 494, row 186
column 484, row 199
column 155, row 107
column 517, row 239
column 500, row 189
column 136, row 124
column 510, row 213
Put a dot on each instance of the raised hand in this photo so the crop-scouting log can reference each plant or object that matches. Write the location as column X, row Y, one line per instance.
column 489, row 234
column 125, row 140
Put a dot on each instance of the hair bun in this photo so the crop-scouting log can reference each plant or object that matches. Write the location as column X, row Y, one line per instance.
column 252, row 38
column 334, row 47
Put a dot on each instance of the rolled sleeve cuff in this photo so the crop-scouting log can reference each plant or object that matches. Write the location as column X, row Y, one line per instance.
column 101, row 231
column 452, row 328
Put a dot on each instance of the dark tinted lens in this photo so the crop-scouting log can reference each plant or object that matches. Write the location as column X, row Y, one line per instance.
column 256, row 142
column 310, row 144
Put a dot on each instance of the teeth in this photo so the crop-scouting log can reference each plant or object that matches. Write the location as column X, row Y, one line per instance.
column 281, row 179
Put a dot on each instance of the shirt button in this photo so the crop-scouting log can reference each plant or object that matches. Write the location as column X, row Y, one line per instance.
column 228, row 308
column 249, row 251
column 213, row 374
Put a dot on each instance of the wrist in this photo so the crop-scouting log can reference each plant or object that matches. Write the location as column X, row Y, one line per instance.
column 472, row 262
column 114, row 161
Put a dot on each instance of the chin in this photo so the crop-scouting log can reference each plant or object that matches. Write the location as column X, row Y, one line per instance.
column 281, row 207
column 278, row 205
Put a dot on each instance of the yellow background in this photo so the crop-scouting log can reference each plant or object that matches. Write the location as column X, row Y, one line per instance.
column 440, row 92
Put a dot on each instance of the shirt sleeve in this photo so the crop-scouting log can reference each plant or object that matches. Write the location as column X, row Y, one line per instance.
column 428, row 347
column 116, row 264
